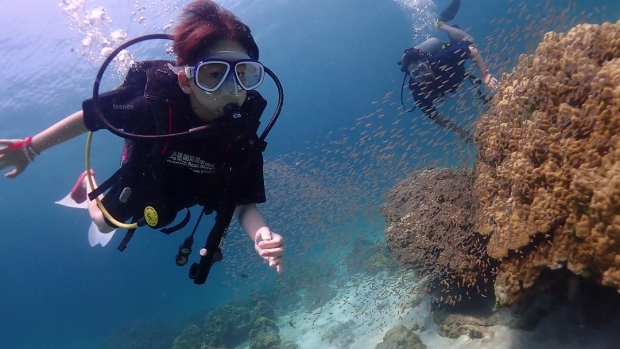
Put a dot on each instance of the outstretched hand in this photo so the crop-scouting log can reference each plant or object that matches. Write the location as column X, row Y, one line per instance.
column 11, row 155
column 491, row 83
column 268, row 245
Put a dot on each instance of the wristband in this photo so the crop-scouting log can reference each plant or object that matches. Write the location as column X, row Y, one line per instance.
column 484, row 75
column 29, row 156
column 29, row 144
column 26, row 146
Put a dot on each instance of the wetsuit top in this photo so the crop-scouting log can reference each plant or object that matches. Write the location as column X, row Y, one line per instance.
column 448, row 65
column 188, row 171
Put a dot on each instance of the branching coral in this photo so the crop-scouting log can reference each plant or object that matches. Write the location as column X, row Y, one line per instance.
column 548, row 171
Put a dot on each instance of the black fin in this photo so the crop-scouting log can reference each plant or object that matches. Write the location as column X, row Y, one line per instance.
column 450, row 12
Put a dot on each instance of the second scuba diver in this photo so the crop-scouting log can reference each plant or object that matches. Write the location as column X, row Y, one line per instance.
column 436, row 69
column 212, row 84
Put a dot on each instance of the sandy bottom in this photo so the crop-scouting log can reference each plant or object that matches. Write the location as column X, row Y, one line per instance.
column 365, row 308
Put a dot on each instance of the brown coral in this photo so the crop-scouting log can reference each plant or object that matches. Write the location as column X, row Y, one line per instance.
column 429, row 217
column 548, row 171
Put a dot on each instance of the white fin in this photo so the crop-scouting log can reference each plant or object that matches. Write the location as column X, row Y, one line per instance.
column 68, row 202
column 95, row 237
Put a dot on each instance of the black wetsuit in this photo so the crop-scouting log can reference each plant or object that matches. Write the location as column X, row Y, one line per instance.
column 448, row 65
column 181, row 173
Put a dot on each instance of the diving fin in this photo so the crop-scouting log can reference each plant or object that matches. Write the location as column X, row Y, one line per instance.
column 95, row 237
column 450, row 12
column 77, row 197
column 67, row 201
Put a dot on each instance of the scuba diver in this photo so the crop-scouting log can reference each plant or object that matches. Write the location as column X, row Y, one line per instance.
column 208, row 99
column 436, row 69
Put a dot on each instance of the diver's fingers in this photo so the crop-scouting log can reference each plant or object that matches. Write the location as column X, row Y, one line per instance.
column 8, row 142
column 271, row 252
column 265, row 234
column 495, row 84
column 275, row 240
column 16, row 172
column 276, row 263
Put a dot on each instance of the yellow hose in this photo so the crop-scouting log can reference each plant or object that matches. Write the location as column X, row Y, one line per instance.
column 105, row 212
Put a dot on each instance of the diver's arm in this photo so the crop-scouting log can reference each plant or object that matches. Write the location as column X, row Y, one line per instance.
column 490, row 82
column 64, row 130
column 429, row 110
column 267, row 244
column 18, row 153
column 250, row 219
column 449, row 125
column 477, row 58
column 427, row 107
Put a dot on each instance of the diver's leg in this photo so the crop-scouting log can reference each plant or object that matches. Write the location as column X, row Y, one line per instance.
column 431, row 45
column 95, row 213
column 450, row 12
column 455, row 34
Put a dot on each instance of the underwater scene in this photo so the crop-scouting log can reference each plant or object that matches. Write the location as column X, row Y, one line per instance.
column 435, row 174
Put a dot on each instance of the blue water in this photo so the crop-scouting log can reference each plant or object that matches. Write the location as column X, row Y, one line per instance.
column 337, row 62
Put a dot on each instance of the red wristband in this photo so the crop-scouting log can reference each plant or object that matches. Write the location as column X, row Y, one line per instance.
column 22, row 144
column 486, row 72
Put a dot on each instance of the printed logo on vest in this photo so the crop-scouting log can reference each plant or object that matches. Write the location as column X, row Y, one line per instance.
column 194, row 163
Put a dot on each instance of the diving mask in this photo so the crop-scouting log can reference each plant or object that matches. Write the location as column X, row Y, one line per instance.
column 230, row 68
column 421, row 71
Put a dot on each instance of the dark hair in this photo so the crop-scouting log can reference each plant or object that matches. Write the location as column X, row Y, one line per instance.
column 202, row 24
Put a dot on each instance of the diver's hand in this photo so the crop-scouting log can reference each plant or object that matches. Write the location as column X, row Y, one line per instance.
column 490, row 82
column 15, row 153
column 268, row 245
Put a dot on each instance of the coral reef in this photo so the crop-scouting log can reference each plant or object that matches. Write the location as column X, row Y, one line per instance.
column 544, row 197
column 548, row 170
column 400, row 337
column 227, row 326
column 142, row 335
column 430, row 228
column 456, row 325
column 264, row 334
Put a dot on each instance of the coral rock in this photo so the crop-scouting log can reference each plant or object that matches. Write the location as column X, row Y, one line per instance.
column 400, row 337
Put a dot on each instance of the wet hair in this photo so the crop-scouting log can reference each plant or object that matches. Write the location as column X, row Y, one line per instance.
column 202, row 24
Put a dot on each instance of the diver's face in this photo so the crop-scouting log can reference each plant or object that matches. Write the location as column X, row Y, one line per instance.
column 421, row 72
column 229, row 92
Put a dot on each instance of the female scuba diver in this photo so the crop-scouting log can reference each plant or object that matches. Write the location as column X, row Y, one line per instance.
column 209, row 96
column 435, row 69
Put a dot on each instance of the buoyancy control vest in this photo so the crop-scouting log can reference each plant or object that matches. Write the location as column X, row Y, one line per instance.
column 146, row 166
